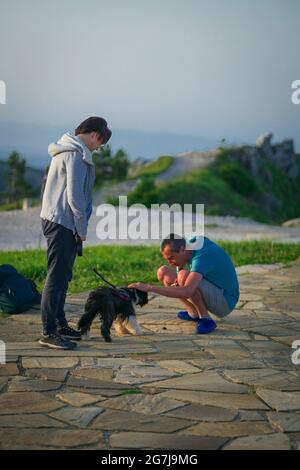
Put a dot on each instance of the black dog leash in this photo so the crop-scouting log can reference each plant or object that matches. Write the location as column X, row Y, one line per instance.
column 119, row 292
column 103, row 278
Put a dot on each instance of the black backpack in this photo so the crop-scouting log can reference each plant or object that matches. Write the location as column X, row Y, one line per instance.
column 17, row 294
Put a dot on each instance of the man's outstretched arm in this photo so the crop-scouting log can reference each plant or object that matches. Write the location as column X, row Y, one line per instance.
column 191, row 284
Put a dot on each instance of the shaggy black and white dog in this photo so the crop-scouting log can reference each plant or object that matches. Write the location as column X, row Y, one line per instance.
column 113, row 305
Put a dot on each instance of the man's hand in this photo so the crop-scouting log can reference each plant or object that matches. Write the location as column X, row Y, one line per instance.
column 141, row 286
column 82, row 238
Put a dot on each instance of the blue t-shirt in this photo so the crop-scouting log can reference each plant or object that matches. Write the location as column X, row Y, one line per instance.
column 216, row 266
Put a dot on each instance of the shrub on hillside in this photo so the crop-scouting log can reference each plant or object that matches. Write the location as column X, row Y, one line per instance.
column 237, row 178
column 144, row 193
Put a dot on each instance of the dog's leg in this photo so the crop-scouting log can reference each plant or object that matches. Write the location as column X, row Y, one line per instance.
column 132, row 326
column 119, row 327
column 85, row 322
column 107, row 318
column 87, row 335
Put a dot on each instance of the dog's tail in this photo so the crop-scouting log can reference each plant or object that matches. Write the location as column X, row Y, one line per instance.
column 84, row 323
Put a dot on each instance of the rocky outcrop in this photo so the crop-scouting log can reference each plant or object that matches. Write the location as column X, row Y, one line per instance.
column 275, row 170
column 256, row 158
column 281, row 155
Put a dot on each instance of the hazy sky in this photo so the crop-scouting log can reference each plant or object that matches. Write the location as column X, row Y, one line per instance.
column 208, row 67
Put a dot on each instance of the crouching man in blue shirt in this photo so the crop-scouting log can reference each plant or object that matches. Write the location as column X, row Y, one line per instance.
column 209, row 284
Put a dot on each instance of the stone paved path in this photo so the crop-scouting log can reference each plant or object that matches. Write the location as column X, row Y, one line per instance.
column 236, row 388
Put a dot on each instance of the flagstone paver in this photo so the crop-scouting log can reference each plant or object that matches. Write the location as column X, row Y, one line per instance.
column 25, row 384
column 27, row 402
column 3, row 383
column 94, row 373
column 264, row 378
column 117, row 420
column 9, row 369
column 277, row 441
column 224, row 400
column 49, row 362
column 235, row 429
column 137, row 440
column 56, row 375
column 206, row 381
column 80, row 417
column 236, row 388
column 181, row 367
column 142, row 403
column 49, row 438
column 221, row 364
column 84, row 383
column 30, row 421
column 100, row 393
column 248, row 415
column 280, row 401
column 204, row 413
column 285, row 422
column 142, row 374
column 254, row 305
column 79, row 399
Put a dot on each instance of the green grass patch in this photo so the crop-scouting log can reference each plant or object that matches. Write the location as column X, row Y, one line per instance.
column 208, row 187
column 158, row 166
column 131, row 391
column 124, row 264
column 260, row 252
column 10, row 206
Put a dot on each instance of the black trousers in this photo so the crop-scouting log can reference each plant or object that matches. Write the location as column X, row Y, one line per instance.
column 61, row 254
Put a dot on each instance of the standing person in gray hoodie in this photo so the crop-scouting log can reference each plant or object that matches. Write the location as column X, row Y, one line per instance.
column 66, row 209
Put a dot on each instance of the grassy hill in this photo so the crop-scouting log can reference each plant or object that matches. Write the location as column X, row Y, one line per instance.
column 234, row 184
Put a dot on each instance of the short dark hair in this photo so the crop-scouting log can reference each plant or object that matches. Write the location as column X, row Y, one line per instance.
column 95, row 124
column 175, row 241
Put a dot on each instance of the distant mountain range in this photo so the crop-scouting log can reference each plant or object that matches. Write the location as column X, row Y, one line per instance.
column 32, row 141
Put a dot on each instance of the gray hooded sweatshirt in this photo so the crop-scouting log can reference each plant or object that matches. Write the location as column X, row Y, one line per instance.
column 67, row 198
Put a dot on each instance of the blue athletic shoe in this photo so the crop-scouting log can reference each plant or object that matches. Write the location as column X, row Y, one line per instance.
column 205, row 325
column 183, row 315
